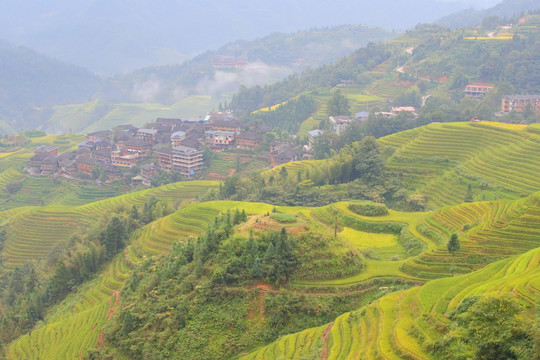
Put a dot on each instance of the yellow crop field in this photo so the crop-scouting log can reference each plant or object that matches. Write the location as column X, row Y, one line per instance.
column 364, row 240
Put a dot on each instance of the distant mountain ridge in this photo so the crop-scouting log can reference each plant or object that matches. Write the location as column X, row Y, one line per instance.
column 472, row 17
column 29, row 81
column 122, row 35
column 268, row 59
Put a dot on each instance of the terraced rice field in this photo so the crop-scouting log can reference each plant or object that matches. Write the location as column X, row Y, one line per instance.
column 399, row 325
column 17, row 158
column 33, row 233
column 498, row 162
column 488, row 226
column 74, row 117
column 488, row 231
column 221, row 167
column 75, row 326
column 292, row 169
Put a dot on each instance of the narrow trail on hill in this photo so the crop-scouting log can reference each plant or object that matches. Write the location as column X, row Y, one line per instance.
column 110, row 312
column 263, row 289
column 324, row 337
column 112, row 307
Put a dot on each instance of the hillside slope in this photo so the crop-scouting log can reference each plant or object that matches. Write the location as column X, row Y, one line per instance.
column 410, row 324
column 488, row 231
column 497, row 161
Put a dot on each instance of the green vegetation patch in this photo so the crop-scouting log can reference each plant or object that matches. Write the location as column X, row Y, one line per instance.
column 33, row 133
column 364, row 240
column 368, row 208
column 284, row 218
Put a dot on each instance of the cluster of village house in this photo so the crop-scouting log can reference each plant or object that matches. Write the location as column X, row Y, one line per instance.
column 509, row 102
column 178, row 143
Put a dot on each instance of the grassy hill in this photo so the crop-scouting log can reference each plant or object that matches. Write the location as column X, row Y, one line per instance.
column 497, row 160
column 488, row 231
column 397, row 250
column 411, row 323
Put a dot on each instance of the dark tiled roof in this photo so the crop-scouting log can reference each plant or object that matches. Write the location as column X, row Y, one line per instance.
column 165, row 151
column 43, row 157
column 138, row 142
column 101, row 133
column 86, row 160
column 149, row 167
column 102, row 153
column 250, row 135
column 185, row 150
column 46, row 148
column 168, row 121
column 522, row 97
column 226, row 124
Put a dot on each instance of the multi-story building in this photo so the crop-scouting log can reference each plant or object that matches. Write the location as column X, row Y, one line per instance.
column 398, row 109
column 312, row 135
column 187, row 161
column 248, row 140
column 148, row 171
column 477, row 91
column 85, row 164
column 177, row 137
column 148, row 135
column 519, row 103
column 124, row 158
column 223, row 125
column 218, row 139
column 339, row 123
column 43, row 163
column 138, row 146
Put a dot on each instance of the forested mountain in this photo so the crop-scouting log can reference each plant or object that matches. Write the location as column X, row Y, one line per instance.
column 32, row 84
column 429, row 66
column 504, row 10
column 30, row 81
column 121, row 36
column 267, row 60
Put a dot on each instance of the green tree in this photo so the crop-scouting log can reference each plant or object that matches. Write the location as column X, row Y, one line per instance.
column 369, row 162
column 256, row 269
column 283, row 173
column 469, row 195
column 497, row 332
column 134, row 213
column 338, row 104
column 453, row 246
column 114, row 235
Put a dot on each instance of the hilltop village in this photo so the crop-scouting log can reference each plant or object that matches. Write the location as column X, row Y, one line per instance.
column 170, row 145
column 178, row 146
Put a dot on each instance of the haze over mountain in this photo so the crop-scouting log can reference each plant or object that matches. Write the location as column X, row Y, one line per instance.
column 119, row 36
column 472, row 17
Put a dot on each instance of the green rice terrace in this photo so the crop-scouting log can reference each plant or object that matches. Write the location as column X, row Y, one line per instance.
column 498, row 161
column 412, row 297
column 409, row 246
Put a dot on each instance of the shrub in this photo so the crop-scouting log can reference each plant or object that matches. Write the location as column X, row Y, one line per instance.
column 33, row 133
column 14, row 187
column 368, row 208
column 284, row 218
